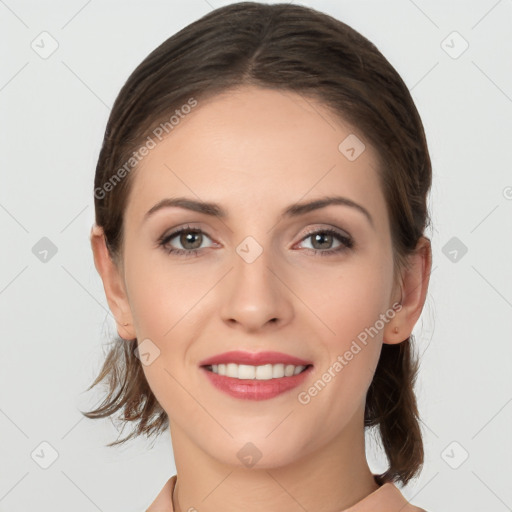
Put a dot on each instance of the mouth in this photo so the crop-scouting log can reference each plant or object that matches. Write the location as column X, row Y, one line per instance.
column 255, row 375
column 248, row 382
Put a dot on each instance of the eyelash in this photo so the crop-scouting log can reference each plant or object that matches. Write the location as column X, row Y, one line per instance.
column 347, row 242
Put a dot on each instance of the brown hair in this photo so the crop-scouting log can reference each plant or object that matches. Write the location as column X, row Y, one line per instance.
column 289, row 48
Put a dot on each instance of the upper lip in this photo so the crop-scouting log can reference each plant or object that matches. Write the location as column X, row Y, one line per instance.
column 254, row 358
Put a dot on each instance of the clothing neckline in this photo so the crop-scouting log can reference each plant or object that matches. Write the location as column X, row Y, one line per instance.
column 383, row 498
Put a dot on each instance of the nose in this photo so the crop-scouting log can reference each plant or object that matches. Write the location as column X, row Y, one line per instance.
column 254, row 295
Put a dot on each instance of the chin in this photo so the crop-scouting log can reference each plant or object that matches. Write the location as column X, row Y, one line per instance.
column 258, row 452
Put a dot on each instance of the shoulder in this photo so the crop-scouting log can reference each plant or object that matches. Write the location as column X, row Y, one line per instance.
column 163, row 502
column 396, row 495
column 387, row 498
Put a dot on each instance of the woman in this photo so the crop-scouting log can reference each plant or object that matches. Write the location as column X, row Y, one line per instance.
column 233, row 153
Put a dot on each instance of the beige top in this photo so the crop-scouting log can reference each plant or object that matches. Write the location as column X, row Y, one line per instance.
column 387, row 498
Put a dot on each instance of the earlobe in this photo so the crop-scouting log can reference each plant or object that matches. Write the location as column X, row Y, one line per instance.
column 394, row 332
column 414, row 286
column 113, row 284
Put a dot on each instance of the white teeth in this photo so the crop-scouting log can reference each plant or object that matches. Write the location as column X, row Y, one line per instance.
column 263, row 372
column 244, row 371
column 277, row 370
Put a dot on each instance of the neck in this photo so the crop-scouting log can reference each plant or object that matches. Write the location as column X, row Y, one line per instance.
column 336, row 475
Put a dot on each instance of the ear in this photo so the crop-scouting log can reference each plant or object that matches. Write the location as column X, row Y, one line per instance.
column 113, row 284
column 414, row 286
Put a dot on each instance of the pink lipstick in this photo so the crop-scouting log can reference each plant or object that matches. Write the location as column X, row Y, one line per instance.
column 255, row 376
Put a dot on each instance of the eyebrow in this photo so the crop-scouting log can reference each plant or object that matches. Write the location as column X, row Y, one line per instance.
column 294, row 210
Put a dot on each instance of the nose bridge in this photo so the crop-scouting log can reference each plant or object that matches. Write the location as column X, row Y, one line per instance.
column 255, row 294
column 252, row 275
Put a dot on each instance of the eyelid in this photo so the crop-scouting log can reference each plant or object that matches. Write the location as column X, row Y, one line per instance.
column 326, row 227
column 174, row 232
column 344, row 239
column 310, row 230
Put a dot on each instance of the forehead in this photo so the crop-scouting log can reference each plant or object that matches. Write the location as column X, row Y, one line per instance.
column 252, row 146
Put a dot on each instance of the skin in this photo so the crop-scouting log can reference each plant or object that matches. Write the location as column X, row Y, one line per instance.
column 256, row 151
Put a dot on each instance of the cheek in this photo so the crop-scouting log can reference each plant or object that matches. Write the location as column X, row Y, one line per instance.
column 162, row 314
column 165, row 309
column 162, row 295
column 350, row 311
column 346, row 300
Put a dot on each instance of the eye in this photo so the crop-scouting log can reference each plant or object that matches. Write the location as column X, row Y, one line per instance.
column 325, row 237
column 188, row 237
column 191, row 239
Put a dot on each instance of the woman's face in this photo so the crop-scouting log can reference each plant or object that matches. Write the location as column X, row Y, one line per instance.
column 256, row 280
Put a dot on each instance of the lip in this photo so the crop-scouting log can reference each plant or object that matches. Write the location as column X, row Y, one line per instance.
column 255, row 359
column 252, row 389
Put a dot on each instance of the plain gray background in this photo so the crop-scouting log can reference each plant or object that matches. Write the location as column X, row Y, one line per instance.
column 54, row 312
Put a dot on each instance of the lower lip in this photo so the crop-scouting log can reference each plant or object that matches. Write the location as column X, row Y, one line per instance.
column 252, row 389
